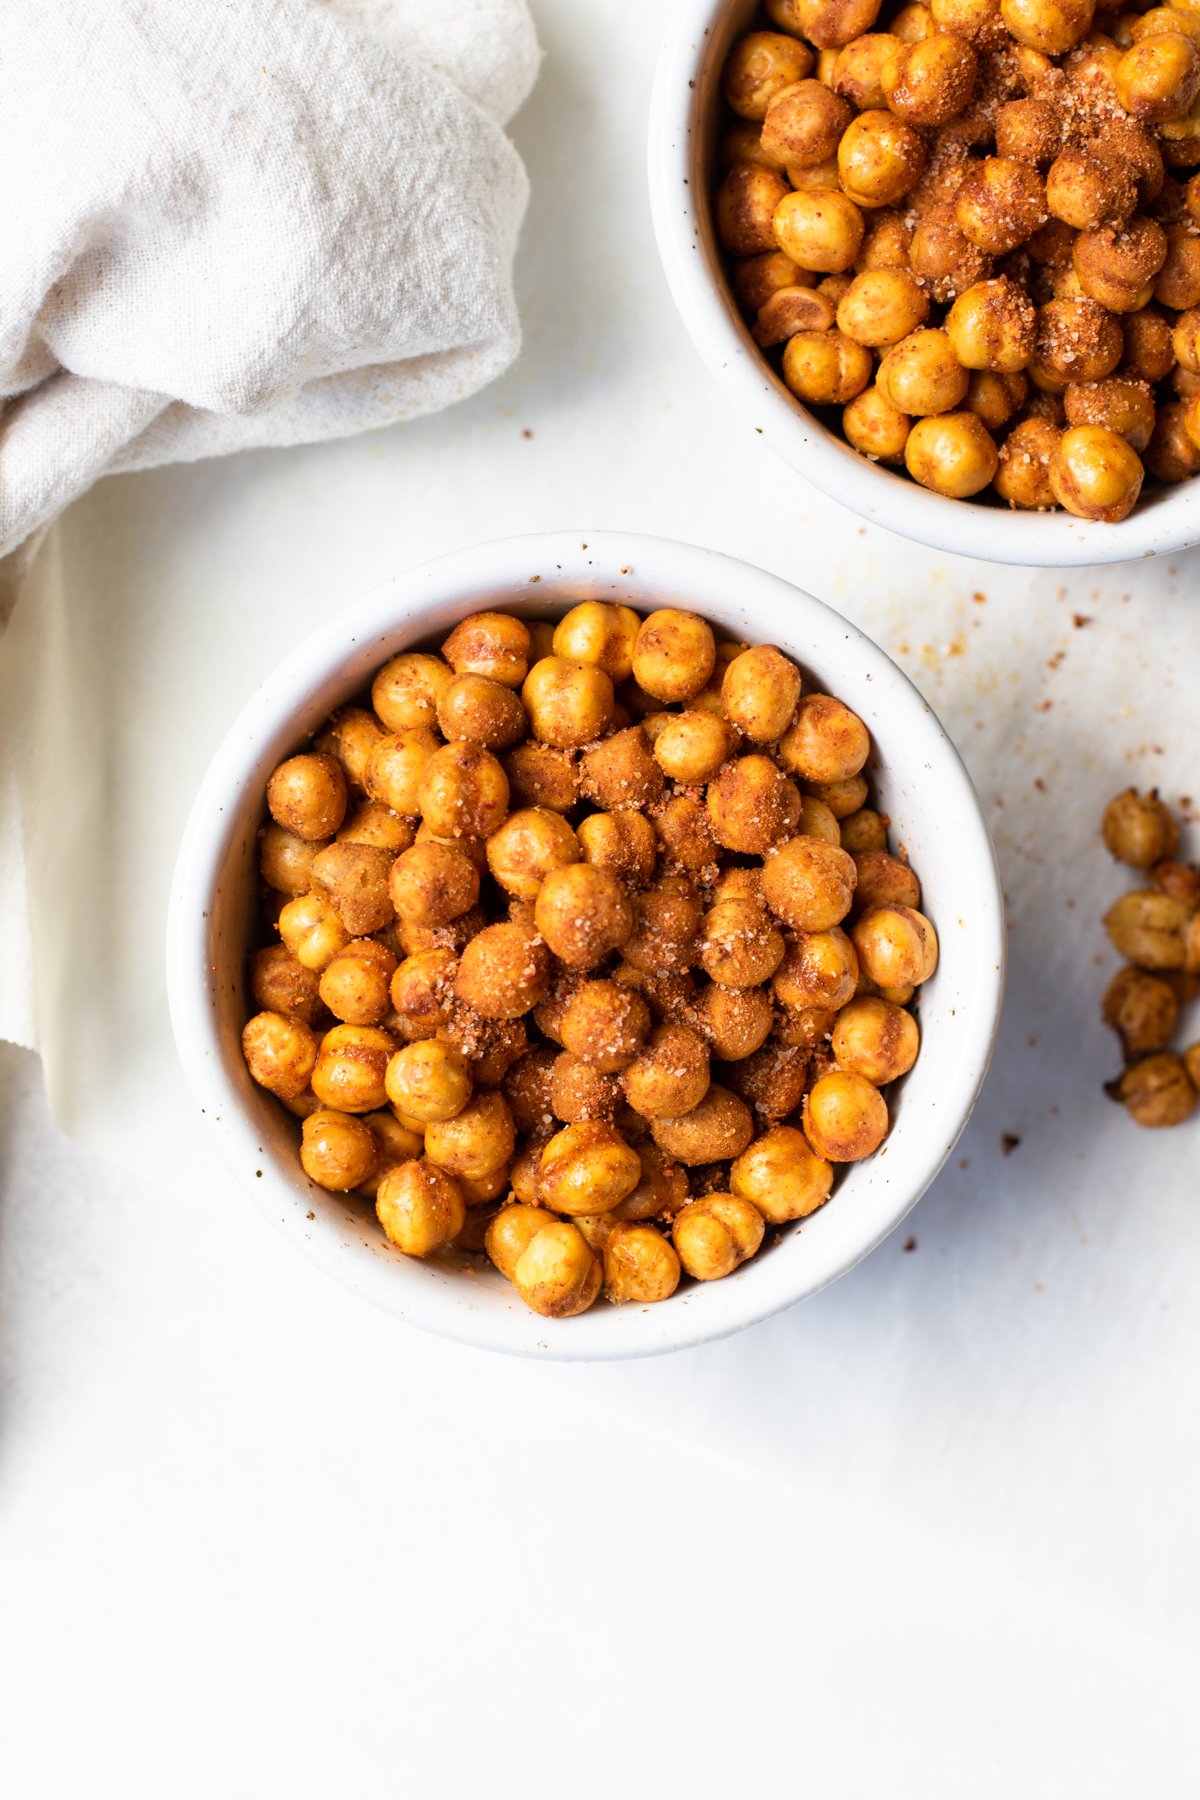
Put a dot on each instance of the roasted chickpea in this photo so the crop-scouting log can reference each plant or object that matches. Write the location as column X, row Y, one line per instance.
column 428, row 1080
column 692, row 746
column 875, row 1039
column 351, row 1064
column 491, row 644
column 819, row 969
column 579, row 1092
column 772, row 1082
column 527, row 846
column 804, row 123
column 1172, row 454
column 945, row 261
column 661, row 1191
column 809, row 884
column 1159, row 76
column 1023, row 475
column 503, row 972
column 1156, row 1091
column 886, row 240
column 639, row 1265
column 819, row 229
column 789, row 311
column 337, row 1150
column 1149, row 352
column 420, row 1207
column 883, row 880
column 744, row 208
column 394, row 1144
column 1126, row 407
column 463, row 792
column 405, row 691
column 350, row 736
column 921, row 375
column 858, row 71
column 995, row 399
column 880, row 160
column 623, row 842
column 1178, row 282
column 1191, row 1061
column 755, row 280
column 1086, row 188
column 1139, row 829
column 587, row 1168
column 951, row 453
column 583, row 913
column 621, row 771
column 751, row 805
column 825, row 368
column 865, row 829
column 511, row 1232
column 307, row 795
column 974, row 20
column 356, row 984
column 1000, row 203
column 1095, row 474
column 280, row 983
column 280, row 1053
column 601, row 634
column 739, row 944
column 897, row 946
column 285, row 861
column 826, row 742
column 1118, row 267
column 433, row 883
column 875, row 428
column 674, row 655
column 1178, row 880
column 669, row 1076
column 476, row 1140
column 541, row 776
column 735, row 1021
column 715, row 1130
column 375, row 824
column 1031, row 130
column 781, row 1177
column 311, row 929
column 716, row 1233
column 605, row 1024
column 569, row 703
column 845, row 1118
column 557, row 1274
column 1142, row 1009
column 422, row 991
column 481, row 711
column 881, row 306
column 932, row 81
column 759, row 67
column 992, row 326
column 1077, row 340
column 396, row 766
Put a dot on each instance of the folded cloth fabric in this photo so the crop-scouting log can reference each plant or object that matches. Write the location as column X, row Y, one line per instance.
column 257, row 223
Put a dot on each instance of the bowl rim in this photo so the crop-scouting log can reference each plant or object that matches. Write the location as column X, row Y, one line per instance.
column 1168, row 521
column 761, row 1288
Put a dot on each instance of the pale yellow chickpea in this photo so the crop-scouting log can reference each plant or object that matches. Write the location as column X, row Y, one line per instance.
column 396, row 765
column 639, row 1265
column 692, row 746
column 819, row 229
column 463, row 792
column 541, row 776
column 527, row 846
column 433, row 883
column 759, row 691
column 307, row 796
column 337, row 1150
column 845, row 1118
column 735, row 1022
column 992, row 326
column 310, row 927
column 669, row 1075
column 279, row 983
column 284, row 860
column 825, row 368
column 744, row 208
column 420, row 1207
column 492, row 644
column 880, row 159
column 280, row 1052
column 759, row 67
column 951, row 453
column 715, row 1130
column 350, row 735
column 751, row 805
column 715, row 1234
column 819, row 969
column 875, row 1039
column 512, row 1231
column 422, row 992
column 804, row 123
column 809, row 884
column 405, row 691
column 875, row 428
column 674, row 655
column 601, row 633
column 557, row 1275
column 504, row 971
column 789, row 311
column 481, row 711
column 1095, row 474
column 476, row 1140
column 1001, row 203
column 428, row 1081
column 930, row 82
column 621, row 771
column 356, row 985
column 583, row 913
column 350, row 1068
column 587, row 1168
column 373, row 823
column 605, row 1025
column 1051, row 26
column 897, row 946
column 739, row 944
column 826, row 741
column 781, row 1177
column 858, row 71
column 921, row 375
column 624, row 842
column 881, row 306
column 1022, row 477
column 1159, row 76
column 569, row 703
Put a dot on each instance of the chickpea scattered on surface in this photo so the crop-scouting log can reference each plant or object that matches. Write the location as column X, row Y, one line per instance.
column 1157, row 1092
column 1142, row 1009
column 1139, row 829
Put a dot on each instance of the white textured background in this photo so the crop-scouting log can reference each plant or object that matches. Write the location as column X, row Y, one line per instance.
column 931, row 1534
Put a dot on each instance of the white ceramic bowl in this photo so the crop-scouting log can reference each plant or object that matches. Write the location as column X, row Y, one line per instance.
column 920, row 782
column 684, row 122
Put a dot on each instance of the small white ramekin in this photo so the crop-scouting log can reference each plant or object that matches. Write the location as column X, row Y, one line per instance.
column 684, row 120
column 920, row 782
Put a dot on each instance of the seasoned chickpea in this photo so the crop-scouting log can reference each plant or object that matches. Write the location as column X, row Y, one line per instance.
column 337, row 1150
column 396, row 765
column 809, row 884
column 1142, row 1009
column 422, row 991
column 1085, row 188
column 674, row 655
column 1077, row 340
column 351, row 1064
column 825, row 368
column 683, row 835
column 601, row 633
column 669, row 1076
column 951, row 453
column 1139, row 829
column 826, row 23
column 1001, row 203
column 921, row 375
column 394, row 1144
column 420, row 1207
column 1149, row 351
column 744, row 208
column 1156, row 1091
column 739, row 944
column 881, row 306
column 819, row 229
column 942, row 258
column 692, row 746
column 541, row 776
column 875, row 428
column 527, row 846
column 827, row 742
column 463, row 792
column 356, row 985
column 557, row 1274
column 621, row 771
column 491, row 644
column 660, row 1192
column 310, row 928
column 512, row 1231
column 772, row 1081
column 804, row 124
column 845, row 1118
column 433, row 883
column 1178, row 880
column 974, row 20
column 880, row 159
column 639, row 1265
column 1117, row 267
column 569, row 703
column 781, row 1177
column 715, row 1234
column 1178, row 282
column 1159, row 76
column 1095, row 474
column 858, row 71
column 931, row 82
column 735, row 1021
column 897, row 946
column 875, row 1039
column 605, row 1024
column 428, row 1081
column 280, row 1052
column 995, row 398
column 405, row 691
column 715, row 1130
column 1191, row 1060
column 623, row 842
column 280, row 983
column 865, row 829
column 755, row 280
column 1172, row 454
column 476, row 1140
column 751, row 805
column 1032, row 130
column 789, row 311
column 1126, row 407
column 883, row 880
column 373, row 823
column 350, row 736
column 886, row 240
column 583, row 913
column 992, row 326
column 1023, row 475
column 1051, row 26
column 759, row 67
column 307, row 796
column 482, row 711
column 503, row 972
column 285, row 861
column 579, row 1092
column 820, row 970
column 587, row 1168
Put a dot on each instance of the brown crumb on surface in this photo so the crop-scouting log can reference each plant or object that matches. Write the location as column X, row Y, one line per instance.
column 1008, row 1142
column 910, row 1243
column 1079, row 620
column 526, row 432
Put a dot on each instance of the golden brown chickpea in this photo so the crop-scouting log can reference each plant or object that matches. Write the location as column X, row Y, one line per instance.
column 744, row 208
column 755, row 280
column 845, row 1118
column 995, row 399
column 1181, row 881
column 422, row 990
column 820, row 970
column 527, row 846
column 804, row 123
column 1095, row 474
column 355, row 879
column 1156, row 1091
column 661, row 1191
column 781, row 1177
column 1126, row 407
column 583, row 912
column 759, row 67
column 605, row 1025
column 683, row 835
column 1178, row 282
column 279, row 983
column 569, row 703
column 394, row 1144
column 886, row 240
column 491, row 644
column 491, row 1046
column 350, row 736
column 751, row 805
column 921, row 375
column 337, row 1150
column 819, row 229
column 912, row 23
column 504, row 972
column 1023, row 475
column 307, row 796
column 880, row 159
column 875, row 1039
column 557, row 1275
column 818, row 175
column 931, row 82
column 1000, row 203
column 433, row 883
column 377, row 825
column 945, row 261
column 541, row 776
column 1051, row 26
column 579, row 1093
column 670, row 1075
column 463, row 792
column 1171, row 454
column 405, row 691
column 350, row 1067
column 740, row 142
column 280, row 1053
column 621, row 771
column 951, row 453
column 739, row 944
column 511, row 1232
column 428, row 1081
column 1139, row 829
column 826, row 742
column 1159, row 76
column 527, row 1088
column 692, row 746
column 715, row 1130
column 1186, row 338
column 825, row 368
column 674, row 655
column 603, row 634
column 1077, row 340
column 1142, row 1010
column 356, row 984
column 1191, row 1062
column 992, row 326
column 482, row 711
column 734, row 1021
column 809, row 884
column 396, row 765
column 789, row 311
column 639, row 1265
column 310, row 927
column 858, row 71
column 716, row 1233
column 883, row 880
column 476, row 1140
column 1117, row 267
column 587, row 1168
column 865, row 829
column 420, row 1207
column 1086, row 188
column 897, row 946
column 841, row 798
column 881, row 306
column 737, row 883
column 285, row 861
column 975, row 20
column 1031, row 130
column 624, row 843
column 875, row 428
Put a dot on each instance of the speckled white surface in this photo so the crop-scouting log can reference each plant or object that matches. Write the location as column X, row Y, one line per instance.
column 1008, row 1409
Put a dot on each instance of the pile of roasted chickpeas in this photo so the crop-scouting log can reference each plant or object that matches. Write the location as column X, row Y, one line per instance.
column 971, row 227
column 1157, row 931
column 588, row 951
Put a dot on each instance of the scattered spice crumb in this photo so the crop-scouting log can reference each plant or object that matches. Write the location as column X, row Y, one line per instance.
column 910, row 1243
column 1079, row 620
column 526, row 432
column 311, row 1215
column 1044, row 705
column 1039, row 784
column 1008, row 1143
column 979, row 599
